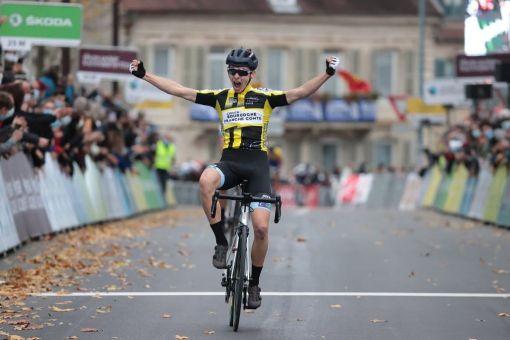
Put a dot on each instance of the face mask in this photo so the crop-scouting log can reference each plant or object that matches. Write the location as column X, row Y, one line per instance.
column 489, row 133
column 48, row 111
column 8, row 115
column 66, row 120
column 475, row 133
column 506, row 125
column 499, row 134
column 454, row 145
column 35, row 94
column 59, row 104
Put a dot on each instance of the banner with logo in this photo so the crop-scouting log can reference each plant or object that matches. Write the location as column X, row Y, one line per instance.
column 305, row 110
column 40, row 24
column 24, row 195
column 98, row 63
column 411, row 195
column 57, row 202
column 496, row 192
column 363, row 188
column 504, row 210
column 433, row 186
column 83, row 203
column 342, row 110
column 94, row 184
column 8, row 234
column 456, row 190
column 481, row 193
column 469, row 193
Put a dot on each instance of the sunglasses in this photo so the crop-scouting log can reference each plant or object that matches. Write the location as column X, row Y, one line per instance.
column 242, row 73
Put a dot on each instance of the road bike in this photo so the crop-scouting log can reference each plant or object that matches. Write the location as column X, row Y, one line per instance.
column 236, row 276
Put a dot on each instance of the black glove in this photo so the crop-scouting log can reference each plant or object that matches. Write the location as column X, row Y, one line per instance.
column 137, row 71
column 332, row 65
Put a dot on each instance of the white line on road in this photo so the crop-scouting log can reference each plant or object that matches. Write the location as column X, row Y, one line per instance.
column 313, row 294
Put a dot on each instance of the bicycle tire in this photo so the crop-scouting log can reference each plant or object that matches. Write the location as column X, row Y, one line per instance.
column 239, row 277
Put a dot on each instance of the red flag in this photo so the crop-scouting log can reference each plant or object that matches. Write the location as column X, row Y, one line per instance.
column 356, row 85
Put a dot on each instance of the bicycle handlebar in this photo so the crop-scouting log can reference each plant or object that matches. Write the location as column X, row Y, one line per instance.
column 246, row 199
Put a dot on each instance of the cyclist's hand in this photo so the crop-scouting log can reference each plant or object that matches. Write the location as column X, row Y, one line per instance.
column 331, row 65
column 136, row 68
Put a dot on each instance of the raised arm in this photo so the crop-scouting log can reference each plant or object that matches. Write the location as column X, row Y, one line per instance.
column 166, row 85
column 315, row 83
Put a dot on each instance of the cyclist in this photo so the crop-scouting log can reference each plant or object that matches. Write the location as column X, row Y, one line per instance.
column 244, row 114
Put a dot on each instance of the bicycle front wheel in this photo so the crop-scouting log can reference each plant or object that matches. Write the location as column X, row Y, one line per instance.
column 239, row 278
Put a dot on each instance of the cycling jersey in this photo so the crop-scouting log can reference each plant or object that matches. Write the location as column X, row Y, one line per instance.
column 244, row 116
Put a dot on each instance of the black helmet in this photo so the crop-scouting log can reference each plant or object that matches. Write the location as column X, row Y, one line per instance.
column 242, row 57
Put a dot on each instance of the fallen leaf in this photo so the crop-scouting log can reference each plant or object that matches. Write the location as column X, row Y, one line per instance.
column 378, row 321
column 166, row 316
column 299, row 319
column 504, row 315
column 72, row 337
column 62, row 310
column 181, row 337
column 301, row 239
column 335, row 306
column 89, row 330
column 64, row 302
column 500, row 271
column 104, row 309
column 209, row 332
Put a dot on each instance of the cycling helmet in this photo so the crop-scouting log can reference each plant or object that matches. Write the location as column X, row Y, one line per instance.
column 242, row 57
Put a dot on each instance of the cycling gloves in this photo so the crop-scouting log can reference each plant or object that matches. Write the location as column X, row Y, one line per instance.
column 332, row 65
column 138, row 71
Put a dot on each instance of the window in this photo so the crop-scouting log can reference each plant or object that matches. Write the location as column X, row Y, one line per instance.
column 329, row 157
column 444, row 68
column 409, row 72
column 275, row 69
column 334, row 87
column 383, row 154
column 217, row 75
column 385, row 62
column 162, row 60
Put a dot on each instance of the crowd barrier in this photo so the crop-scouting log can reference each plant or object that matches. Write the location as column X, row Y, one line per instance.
column 47, row 201
column 38, row 203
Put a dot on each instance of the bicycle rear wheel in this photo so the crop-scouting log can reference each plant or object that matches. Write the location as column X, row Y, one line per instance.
column 239, row 278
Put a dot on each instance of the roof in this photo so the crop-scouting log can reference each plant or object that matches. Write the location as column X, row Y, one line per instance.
column 303, row 7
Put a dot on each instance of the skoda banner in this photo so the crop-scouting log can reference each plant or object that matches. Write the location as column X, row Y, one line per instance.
column 34, row 23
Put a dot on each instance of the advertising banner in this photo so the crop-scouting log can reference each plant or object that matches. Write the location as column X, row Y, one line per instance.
column 481, row 193
column 288, row 195
column 479, row 66
column 433, row 187
column 379, row 190
column 304, row 110
column 504, row 210
column 312, row 195
column 24, row 196
column 8, row 234
column 442, row 192
column 94, row 184
column 411, row 195
column 57, row 202
column 496, row 192
column 112, row 194
column 456, row 190
column 363, row 188
column 341, row 110
column 45, row 24
column 469, row 193
column 98, row 63
column 83, row 204
column 348, row 188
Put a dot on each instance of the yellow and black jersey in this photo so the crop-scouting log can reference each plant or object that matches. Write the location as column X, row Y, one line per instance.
column 243, row 116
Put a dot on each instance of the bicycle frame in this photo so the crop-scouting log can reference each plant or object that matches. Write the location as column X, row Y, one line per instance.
column 235, row 289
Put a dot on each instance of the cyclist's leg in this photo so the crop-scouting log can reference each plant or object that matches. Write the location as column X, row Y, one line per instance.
column 260, row 220
column 210, row 180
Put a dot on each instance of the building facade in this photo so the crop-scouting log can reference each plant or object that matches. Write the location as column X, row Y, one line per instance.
column 376, row 41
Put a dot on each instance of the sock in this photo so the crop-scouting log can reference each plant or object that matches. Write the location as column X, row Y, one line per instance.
column 255, row 275
column 223, row 214
column 217, row 228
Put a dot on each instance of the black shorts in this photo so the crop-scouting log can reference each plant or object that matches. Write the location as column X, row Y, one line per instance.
column 239, row 164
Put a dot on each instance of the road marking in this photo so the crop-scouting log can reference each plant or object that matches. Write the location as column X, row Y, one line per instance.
column 312, row 294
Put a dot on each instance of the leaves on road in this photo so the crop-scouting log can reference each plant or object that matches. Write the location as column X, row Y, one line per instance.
column 166, row 316
column 504, row 315
column 89, row 330
column 181, row 337
column 209, row 332
column 335, row 306
column 378, row 321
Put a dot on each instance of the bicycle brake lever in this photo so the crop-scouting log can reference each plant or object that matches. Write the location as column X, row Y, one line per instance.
column 278, row 212
column 214, row 203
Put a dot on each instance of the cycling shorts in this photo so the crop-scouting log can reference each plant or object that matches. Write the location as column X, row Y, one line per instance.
column 237, row 165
